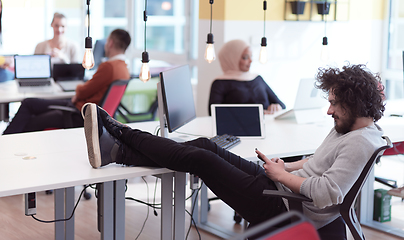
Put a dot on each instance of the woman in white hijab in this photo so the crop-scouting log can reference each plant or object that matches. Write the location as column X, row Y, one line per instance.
column 237, row 85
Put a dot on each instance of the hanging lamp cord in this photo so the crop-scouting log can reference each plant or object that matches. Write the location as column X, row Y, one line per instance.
column 325, row 18
column 88, row 18
column 265, row 10
column 145, row 20
column 211, row 10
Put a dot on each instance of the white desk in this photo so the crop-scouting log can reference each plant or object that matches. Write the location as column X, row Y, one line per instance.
column 60, row 162
column 9, row 92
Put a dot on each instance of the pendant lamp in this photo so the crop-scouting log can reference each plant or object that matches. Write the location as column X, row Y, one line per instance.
column 88, row 59
column 325, row 55
column 144, row 74
column 263, row 51
column 210, row 55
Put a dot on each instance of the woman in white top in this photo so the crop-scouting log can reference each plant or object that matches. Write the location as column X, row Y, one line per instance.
column 60, row 49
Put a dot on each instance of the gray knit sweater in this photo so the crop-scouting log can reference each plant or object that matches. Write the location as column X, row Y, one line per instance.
column 333, row 169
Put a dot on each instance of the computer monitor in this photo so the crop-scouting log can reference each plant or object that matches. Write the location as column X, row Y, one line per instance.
column 176, row 100
column 99, row 52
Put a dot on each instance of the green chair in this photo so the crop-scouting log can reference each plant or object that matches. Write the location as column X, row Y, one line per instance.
column 139, row 102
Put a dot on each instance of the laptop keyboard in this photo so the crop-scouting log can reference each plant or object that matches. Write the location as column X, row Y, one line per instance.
column 34, row 83
column 225, row 141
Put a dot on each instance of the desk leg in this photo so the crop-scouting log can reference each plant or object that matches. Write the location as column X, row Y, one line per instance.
column 204, row 224
column 179, row 205
column 166, row 206
column 64, row 204
column 106, row 210
column 119, row 205
column 4, row 112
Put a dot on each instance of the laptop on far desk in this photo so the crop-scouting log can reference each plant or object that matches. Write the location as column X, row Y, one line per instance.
column 33, row 72
column 308, row 104
column 68, row 76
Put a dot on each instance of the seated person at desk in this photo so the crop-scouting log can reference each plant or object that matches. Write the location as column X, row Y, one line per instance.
column 237, row 85
column 6, row 63
column 356, row 103
column 34, row 113
column 59, row 48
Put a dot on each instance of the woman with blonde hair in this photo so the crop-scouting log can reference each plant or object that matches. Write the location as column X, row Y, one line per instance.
column 237, row 85
column 61, row 49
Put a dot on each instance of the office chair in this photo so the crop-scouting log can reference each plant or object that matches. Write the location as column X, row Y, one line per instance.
column 109, row 102
column 129, row 116
column 347, row 210
column 140, row 101
column 300, row 228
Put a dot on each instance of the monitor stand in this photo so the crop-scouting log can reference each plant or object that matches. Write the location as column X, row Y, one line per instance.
column 162, row 116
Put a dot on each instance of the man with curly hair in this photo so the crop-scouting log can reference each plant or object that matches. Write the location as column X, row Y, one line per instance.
column 356, row 103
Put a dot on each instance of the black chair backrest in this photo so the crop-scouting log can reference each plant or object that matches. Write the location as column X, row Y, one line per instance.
column 347, row 207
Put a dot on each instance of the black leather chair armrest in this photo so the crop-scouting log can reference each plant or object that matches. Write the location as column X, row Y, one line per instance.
column 295, row 200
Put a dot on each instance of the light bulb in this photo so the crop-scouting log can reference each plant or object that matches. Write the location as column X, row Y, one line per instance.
column 144, row 74
column 263, row 51
column 263, row 55
column 210, row 55
column 325, row 55
column 88, row 59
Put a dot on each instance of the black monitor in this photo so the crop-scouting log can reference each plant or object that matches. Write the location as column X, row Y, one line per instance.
column 176, row 105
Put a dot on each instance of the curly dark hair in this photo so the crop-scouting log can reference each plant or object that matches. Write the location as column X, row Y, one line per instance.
column 356, row 88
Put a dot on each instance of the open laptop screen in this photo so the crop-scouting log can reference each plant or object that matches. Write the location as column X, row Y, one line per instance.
column 241, row 120
column 32, row 66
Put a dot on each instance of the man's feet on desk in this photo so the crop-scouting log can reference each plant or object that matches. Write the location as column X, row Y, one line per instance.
column 102, row 147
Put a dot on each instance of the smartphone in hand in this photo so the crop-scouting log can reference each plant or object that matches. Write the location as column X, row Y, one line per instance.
column 259, row 155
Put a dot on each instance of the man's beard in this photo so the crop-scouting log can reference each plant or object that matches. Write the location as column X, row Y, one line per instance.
column 344, row 125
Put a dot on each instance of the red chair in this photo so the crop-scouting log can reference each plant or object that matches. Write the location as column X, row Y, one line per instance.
column 398, row 148
column 110, row 102
column 297, row 227
column 112, row 98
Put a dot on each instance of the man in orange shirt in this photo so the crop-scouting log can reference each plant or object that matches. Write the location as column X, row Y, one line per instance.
column 34, row 113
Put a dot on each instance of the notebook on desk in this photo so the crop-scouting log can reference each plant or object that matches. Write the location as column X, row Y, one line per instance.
column 33, row 71
column 68, row 76
column 241, row 120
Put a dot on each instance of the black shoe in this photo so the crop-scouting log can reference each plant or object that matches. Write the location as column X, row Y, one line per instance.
column 102, row 147
column 111, row 124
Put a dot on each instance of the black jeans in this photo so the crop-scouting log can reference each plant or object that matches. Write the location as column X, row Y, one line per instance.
column 236, row 181
column 34, row 115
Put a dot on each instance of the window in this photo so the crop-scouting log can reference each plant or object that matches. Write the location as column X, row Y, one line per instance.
column 393, row 69
column 168, row 38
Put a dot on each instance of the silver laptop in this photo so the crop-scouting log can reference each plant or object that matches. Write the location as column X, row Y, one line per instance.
column 308, row 103
column 241, row 120
column 33, row 70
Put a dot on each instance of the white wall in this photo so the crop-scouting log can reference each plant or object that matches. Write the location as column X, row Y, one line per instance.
column 293, row 51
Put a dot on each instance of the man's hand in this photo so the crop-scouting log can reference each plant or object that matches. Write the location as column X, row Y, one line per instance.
column 275, row 170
